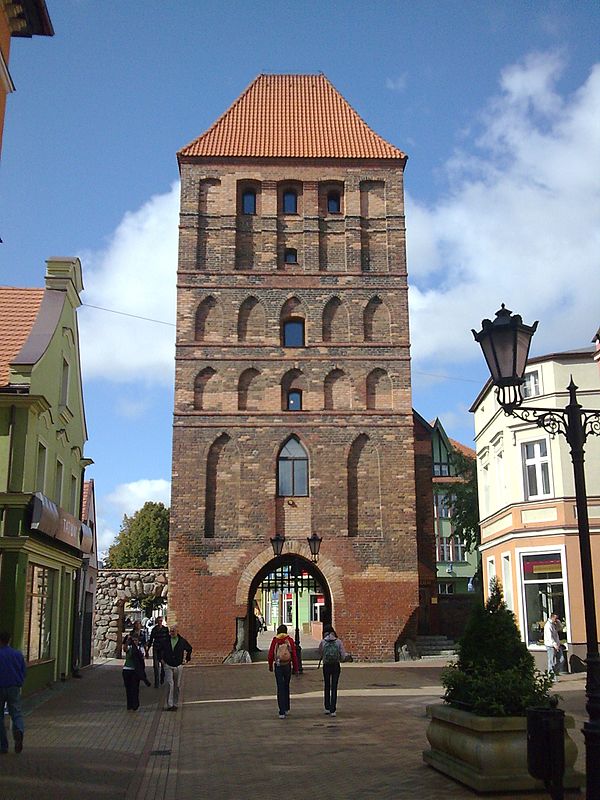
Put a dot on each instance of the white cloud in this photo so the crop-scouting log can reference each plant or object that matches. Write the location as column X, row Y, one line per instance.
column 127, row 498
column 519, row 224
column 135, row 274
column 105, row 536
column 397, row 84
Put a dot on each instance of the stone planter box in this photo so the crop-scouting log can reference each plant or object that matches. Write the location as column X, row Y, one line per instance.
column 488, row 754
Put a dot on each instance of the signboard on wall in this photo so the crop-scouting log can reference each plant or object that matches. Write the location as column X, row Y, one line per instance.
column 57, row 523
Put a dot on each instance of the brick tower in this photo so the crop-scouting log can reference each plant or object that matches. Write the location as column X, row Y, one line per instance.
column 292, row 394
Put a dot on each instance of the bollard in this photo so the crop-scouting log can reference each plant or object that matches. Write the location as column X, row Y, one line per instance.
column 546, row 747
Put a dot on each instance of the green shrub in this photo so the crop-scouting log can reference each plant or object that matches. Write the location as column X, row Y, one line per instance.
column 495, row 674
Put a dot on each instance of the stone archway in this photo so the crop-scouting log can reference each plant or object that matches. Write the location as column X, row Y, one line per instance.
column 114, row 588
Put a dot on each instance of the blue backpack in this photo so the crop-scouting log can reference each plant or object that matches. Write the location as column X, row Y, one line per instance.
column 331, row 652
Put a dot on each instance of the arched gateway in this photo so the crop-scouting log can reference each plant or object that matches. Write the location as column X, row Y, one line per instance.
column 116, row 587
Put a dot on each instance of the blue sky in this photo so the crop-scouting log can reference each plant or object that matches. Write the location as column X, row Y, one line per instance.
column 496, row 103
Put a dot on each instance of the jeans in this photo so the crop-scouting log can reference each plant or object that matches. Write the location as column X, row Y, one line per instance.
column 331, row 676
column 132, row 689
column 159, row 670
column 283, row 675
column 11, row 697
column 553, row 659
column 173, row 677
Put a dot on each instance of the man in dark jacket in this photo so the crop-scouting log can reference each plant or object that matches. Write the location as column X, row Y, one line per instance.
column 171, row 655
column 12, row 675
column 158, row 638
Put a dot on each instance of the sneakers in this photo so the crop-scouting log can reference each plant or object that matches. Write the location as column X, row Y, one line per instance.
column 18, row 741
column 326, row 711
column 282, row 716
column 332, row 714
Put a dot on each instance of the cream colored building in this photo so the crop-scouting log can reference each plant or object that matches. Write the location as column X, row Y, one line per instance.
column 529, row 535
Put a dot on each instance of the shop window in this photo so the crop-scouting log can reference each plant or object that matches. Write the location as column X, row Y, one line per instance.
column 543, row 588
column 290, row 202
column 536, row 469
column 249, row 202
column 294, row 400
column 292, row 470
column 334, row 202
column 293, row 333
column 290, row 255
column 37, row 628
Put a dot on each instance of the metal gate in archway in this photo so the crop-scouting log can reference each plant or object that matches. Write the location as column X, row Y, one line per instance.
column 288, row 590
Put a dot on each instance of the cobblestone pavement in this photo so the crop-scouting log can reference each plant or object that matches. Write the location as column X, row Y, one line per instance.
column 227, row 742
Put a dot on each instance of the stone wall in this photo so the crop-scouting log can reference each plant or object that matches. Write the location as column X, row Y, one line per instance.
column 114, row 588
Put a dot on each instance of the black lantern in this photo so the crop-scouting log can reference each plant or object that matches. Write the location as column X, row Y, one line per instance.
column 277, row 543
column 314, row 542
column 505, row 343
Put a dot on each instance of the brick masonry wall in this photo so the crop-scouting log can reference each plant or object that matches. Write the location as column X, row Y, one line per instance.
column 349, row 286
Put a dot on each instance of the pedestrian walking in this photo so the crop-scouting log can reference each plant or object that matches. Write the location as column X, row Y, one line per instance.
column 158, row 637
column 172, row 654
column 134, row 671
column 283, row 659
column 142, row 638
column 332, row 653
column 552, row 644
column 12, row 675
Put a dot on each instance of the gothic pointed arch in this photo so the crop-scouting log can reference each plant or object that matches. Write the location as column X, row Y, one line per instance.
column 222, row 491
column 292, row 469
column 376, row 321
column 251, row 325
column 206, row 390
column 209, row 321
column 364, row 488
column 336, row 321
column 337, row 390
column 249, row 394
column 379, row 390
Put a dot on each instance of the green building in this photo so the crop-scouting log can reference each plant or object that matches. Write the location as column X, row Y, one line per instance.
column 44, row 546
column 456, row 567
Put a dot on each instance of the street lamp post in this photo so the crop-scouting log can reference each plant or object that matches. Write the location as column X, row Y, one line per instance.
column 505, row 343
column 314, row 543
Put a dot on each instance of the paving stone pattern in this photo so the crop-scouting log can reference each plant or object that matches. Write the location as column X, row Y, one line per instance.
column 227, row 742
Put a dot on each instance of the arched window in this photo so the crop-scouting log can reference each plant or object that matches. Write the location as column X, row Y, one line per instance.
column 292, row 470
column 290, row 255
column 334, row 202
column 293, row 332
column 290, row 202
column 249, row 201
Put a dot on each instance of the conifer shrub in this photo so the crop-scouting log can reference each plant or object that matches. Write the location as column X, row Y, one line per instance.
column 495, row 674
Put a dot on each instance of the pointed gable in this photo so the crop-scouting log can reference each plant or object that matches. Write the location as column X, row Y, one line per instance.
column 291, row 116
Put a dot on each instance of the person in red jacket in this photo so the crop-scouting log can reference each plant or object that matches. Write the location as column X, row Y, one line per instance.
column 283, row 657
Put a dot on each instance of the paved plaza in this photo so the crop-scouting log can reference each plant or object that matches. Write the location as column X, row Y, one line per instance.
column 226, row 741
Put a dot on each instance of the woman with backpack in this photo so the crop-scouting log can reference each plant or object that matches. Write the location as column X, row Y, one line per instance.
column 283, row 658
column 331, row 651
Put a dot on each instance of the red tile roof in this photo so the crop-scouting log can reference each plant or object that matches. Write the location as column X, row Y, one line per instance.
column 462, row 448
column 18, row 310
column 291, row 116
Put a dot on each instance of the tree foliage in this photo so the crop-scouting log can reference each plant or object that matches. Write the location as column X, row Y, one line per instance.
column 462, row 494
column 495, row 674
column 143, row 540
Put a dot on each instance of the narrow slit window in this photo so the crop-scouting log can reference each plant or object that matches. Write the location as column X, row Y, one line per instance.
column 290, row 202
column 334, row 203
column 294, row 400
column 249, row 202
